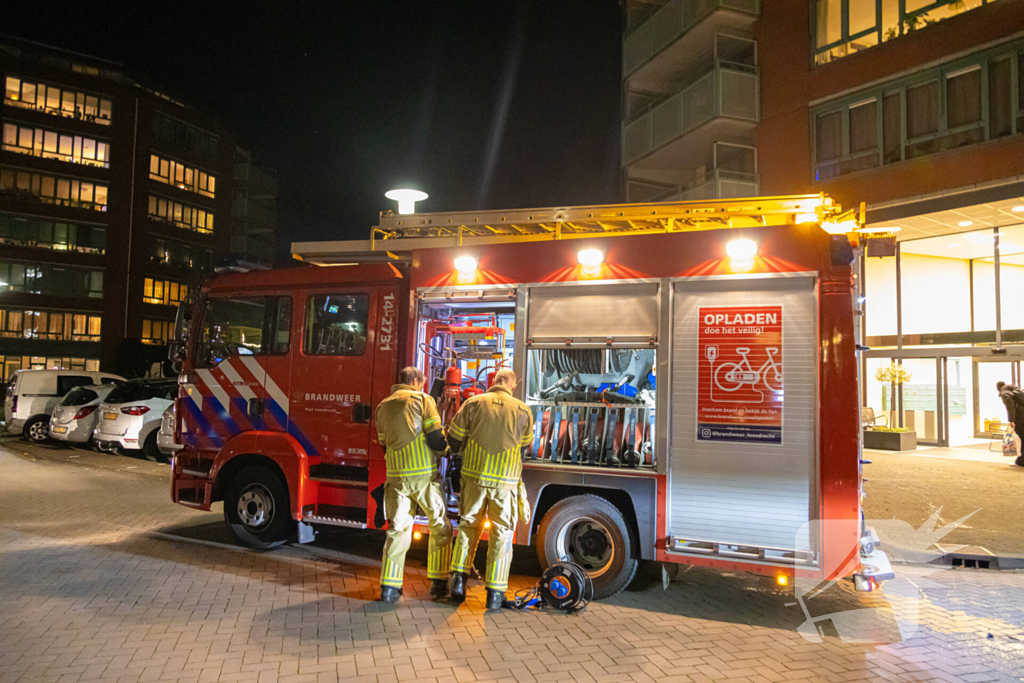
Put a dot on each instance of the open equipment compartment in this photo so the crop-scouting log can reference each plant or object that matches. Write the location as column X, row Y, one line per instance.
column 591, row 358
column 463, row 337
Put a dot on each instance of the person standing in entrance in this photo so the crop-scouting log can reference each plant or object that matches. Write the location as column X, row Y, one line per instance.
column 493, row 428
column 1013, row 400
column 410, row 430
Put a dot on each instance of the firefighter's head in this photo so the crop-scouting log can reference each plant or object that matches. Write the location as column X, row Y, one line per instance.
column 411, row 377
column 506, row 378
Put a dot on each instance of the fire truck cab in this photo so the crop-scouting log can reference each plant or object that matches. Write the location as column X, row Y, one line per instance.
column 692, row 369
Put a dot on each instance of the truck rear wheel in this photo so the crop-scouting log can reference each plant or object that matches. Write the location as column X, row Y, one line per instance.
column 256, row 508
column 591, row 532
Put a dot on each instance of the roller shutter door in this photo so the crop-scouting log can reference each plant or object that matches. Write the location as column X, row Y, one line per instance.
column 751, row 483
column 561, row 312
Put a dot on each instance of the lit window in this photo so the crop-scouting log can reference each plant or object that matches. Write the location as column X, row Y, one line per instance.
column 54, row 145
column 57, row 101
column 180, row 175
column 845, row 27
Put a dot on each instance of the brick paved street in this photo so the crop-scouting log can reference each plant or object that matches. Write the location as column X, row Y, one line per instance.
column 912, row 486
column 102, row 578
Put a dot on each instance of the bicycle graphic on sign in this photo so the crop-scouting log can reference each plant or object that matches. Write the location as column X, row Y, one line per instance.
column 732, row 376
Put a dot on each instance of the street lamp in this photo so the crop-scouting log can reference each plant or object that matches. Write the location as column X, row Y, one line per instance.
column 406, row 199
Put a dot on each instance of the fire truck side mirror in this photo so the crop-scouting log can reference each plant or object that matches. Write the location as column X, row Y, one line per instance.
column 176, row 354
column 182, row 320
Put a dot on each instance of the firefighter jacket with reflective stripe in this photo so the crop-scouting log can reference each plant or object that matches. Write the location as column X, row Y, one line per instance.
column 403, row 420
column 494, row 426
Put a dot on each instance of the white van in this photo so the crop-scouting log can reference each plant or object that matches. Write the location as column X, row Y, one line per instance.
column 34, row 394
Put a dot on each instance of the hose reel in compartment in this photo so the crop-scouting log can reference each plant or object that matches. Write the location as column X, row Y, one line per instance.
column 591, row 353
column 591, row 411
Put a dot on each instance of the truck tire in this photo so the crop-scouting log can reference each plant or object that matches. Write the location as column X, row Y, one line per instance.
column 37, row 429
column 591, row 532
column 256, row 508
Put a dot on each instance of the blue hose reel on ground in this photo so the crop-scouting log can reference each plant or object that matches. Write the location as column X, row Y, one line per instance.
column 563, row 586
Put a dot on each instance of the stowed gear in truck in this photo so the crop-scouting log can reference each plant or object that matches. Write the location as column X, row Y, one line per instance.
column 688, row 406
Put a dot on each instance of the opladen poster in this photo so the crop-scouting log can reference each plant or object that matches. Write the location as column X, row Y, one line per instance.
column 739, row 383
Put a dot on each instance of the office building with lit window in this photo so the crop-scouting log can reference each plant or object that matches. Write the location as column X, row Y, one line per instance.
column 115, row 200
column 915, row 107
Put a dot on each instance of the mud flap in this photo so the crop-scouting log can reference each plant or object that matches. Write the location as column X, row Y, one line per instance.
column 306, row 533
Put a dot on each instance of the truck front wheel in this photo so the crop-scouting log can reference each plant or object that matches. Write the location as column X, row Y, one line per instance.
column 591, row 532
column 256, row 508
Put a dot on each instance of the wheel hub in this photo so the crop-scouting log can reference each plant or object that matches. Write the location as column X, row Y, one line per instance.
column 256, row 506
column 39, row 431
column 586, row 542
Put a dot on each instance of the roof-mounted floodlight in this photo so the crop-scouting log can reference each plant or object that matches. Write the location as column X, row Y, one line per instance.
column 406, row 199
column 465, row 265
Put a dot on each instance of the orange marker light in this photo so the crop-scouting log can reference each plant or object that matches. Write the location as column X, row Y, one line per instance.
column 782, row 580
column 487, row 524
column 416, row 535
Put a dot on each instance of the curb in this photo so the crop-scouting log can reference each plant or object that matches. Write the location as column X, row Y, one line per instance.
column 967, row 557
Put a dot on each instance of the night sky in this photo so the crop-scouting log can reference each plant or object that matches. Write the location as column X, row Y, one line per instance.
column 483, row 104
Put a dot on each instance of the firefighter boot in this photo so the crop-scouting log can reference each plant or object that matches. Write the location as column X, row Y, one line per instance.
column 390, row 594
column 495, row 599
column 458, row 587
column 438, row 588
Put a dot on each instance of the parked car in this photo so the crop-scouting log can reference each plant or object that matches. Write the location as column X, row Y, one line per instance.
column 35, row 393
column 75, row 417
column 165, row 437
column 130, row 416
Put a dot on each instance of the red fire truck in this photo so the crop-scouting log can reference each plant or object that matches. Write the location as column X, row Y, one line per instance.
column 692, row 368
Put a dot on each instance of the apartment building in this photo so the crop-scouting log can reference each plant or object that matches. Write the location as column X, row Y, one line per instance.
column 115, row 200
column 915, row 107
column 253, row 210
column 690, row 100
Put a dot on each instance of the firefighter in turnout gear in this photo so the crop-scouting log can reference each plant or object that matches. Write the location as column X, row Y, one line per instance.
column 410, row 431
column 491, row 429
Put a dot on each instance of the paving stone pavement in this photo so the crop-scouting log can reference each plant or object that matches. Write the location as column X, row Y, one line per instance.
column 98, row 582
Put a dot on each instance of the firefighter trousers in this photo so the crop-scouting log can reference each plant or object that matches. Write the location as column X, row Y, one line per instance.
column 500, row 507
column 401, row 497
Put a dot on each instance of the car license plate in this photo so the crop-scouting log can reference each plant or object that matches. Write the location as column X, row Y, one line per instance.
column 60, row 430
column 110, row 415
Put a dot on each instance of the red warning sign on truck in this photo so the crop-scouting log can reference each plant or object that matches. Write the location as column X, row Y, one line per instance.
column 739, row 382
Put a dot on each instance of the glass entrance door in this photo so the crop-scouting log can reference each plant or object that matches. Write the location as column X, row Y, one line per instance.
column 924, row 402
column 988, row 408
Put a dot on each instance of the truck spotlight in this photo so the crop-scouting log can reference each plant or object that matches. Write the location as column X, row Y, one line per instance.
column 741, row 253
column 465, row 265
column 406, row 199
column 590, row 257
column 837, row 227
column 806, row 218
column 487, row 524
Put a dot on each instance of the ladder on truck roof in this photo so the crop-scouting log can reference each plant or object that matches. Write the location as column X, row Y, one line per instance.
column 398, row 233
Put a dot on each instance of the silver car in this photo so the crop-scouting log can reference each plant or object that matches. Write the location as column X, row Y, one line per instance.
column 74, row 418
column 165, row 437
column 130, row 417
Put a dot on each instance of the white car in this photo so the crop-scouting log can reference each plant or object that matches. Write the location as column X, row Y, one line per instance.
column 130, row 416
column 34, row 394
column 165, row 437
column 75, row 417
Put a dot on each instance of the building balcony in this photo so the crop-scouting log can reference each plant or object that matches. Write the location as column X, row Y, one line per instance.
column 718, row 183
column 256, row 212
column 658, row 45
column 721, row 104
